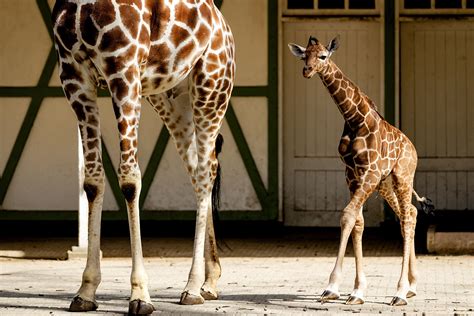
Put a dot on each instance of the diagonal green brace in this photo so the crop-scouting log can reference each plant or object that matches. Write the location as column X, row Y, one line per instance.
column 247, row 157
column 112, row 178
column 26, row 126
column 153, row 164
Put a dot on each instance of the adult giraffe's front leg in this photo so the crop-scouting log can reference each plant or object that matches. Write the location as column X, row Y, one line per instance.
column 210, row 93
column 81, row 95
column 125, row 90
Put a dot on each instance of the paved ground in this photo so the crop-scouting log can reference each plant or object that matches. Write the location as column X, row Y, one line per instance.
column 259, row 277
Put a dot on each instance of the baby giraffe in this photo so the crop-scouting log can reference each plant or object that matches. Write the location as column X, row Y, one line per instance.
column 378, row 157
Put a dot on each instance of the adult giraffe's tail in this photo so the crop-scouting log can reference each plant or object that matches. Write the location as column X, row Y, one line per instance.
column 216, row 189
column 426, row 204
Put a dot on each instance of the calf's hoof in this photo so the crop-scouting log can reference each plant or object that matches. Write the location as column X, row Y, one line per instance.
column 411, row 293
column 328, row 295
column 209, row 294
column 139, row 307
column 398, row 301
column 78, row 304
column 191, row 299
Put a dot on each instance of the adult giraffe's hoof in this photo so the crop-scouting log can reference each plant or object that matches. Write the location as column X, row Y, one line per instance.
column 208, row 293
column 355, row 300
column 78, row 304
column 191, row 299
column 139, row 307
column 411, row 293
column 398, row 301
column 328, row 295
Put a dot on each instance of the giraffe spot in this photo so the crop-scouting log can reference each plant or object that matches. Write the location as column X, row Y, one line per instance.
column 70, row 72
column 79, row 110
column 184, row 53
column 115, row 64
column 122, row 126
column 91, row 133
column 113, row 40
column 160, row 15
column 130, row 19
column 66, row 26
column 178, row 35
column 104, row 13
column 125, row 145
column 118, row 88
column 129, row 191
column 91, row 192
column 89, row 31
column 186, row 15
column 217, row 40
column 91, row 156
column 203, row 34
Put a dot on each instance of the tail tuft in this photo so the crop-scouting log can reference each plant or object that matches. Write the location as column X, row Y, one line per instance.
column 216, row 189
column 426, row 204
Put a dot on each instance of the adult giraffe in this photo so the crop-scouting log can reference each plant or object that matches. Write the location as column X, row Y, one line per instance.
column 148, row 48
column 378, row 157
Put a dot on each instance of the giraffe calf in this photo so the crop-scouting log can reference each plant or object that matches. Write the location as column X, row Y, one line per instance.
column 378, row 157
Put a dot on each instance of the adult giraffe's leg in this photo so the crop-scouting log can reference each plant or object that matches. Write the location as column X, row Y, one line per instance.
column 125, row 90
column 348, row 221
column 408, row 213
column 210, row 93
column 176, row 112
column 82, row 95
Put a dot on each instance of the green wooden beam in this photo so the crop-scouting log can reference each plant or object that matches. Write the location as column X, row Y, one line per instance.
column 273, row 152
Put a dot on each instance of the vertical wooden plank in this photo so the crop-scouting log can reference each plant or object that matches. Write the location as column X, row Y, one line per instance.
column 451, row 190
column 362, row 54
column 407, row 84
column 470, row 91
column 451, row 102
column 373, row 68
column 431, row 188
column 470, row 189
column 429, row 79
column 300, row 191
column 299, row 124
column 420, row 93
column 439, row 130
column 331, row 187
column 460, row 90
column 462, row 193
column 441, row 190
column 310, row 188
column 341, row 190
column 321, row 190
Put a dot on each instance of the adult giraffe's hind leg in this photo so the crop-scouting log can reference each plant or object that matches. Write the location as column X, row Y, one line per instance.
column 175, row 109
column 211, row 86
column 81, row 95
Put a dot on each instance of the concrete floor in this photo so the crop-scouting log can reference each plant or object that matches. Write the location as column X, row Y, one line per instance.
column 269, row 276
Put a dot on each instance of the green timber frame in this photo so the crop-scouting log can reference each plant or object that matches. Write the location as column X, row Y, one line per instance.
column 268, row 197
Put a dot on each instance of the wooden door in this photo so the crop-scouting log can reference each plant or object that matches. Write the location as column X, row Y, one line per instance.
column 437, row 109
